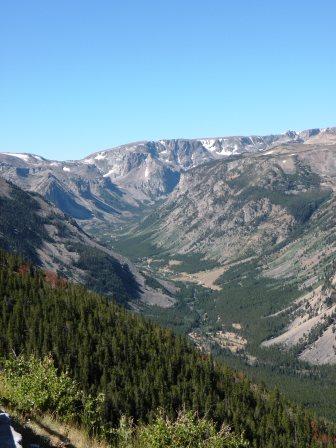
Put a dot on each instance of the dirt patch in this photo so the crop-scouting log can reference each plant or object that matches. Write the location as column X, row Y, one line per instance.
column 175, row 262
column 230, row 340
column 201, row 342
column 203, row 278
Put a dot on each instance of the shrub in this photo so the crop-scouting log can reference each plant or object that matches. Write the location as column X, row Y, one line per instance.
column 187, row 431
column 34, row 386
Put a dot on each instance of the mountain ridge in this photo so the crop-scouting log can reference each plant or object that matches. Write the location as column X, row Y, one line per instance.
column 109, row 187
column 290, row 134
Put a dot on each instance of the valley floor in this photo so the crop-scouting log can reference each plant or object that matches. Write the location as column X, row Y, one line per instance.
column 231, row 310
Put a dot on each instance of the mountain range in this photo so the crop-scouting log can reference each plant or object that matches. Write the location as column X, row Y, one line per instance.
column 229, row 240
column 111, row 186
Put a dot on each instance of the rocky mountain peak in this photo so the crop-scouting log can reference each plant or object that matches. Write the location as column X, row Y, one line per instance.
column 138, row 173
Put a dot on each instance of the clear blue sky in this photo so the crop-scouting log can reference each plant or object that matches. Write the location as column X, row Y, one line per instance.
column 78, row 76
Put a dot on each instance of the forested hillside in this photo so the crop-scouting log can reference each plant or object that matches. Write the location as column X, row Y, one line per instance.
column 138, row 366
column 37, row 230
column 34, row 228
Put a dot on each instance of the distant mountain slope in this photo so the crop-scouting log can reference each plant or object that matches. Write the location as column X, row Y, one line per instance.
column 310, row 260
column 109, row 186
column 274, row 212
column 36, row 229
column 242, row 206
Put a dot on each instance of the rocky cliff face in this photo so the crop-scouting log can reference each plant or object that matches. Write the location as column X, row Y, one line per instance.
column 242, row 205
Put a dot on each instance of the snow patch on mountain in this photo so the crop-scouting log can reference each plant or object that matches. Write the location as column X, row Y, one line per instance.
column 129, row 175
column 112, row 172
column 208, row 144
column 24, row 157
column 100, row 157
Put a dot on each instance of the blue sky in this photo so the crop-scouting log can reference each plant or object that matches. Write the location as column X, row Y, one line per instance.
column 79, row 76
